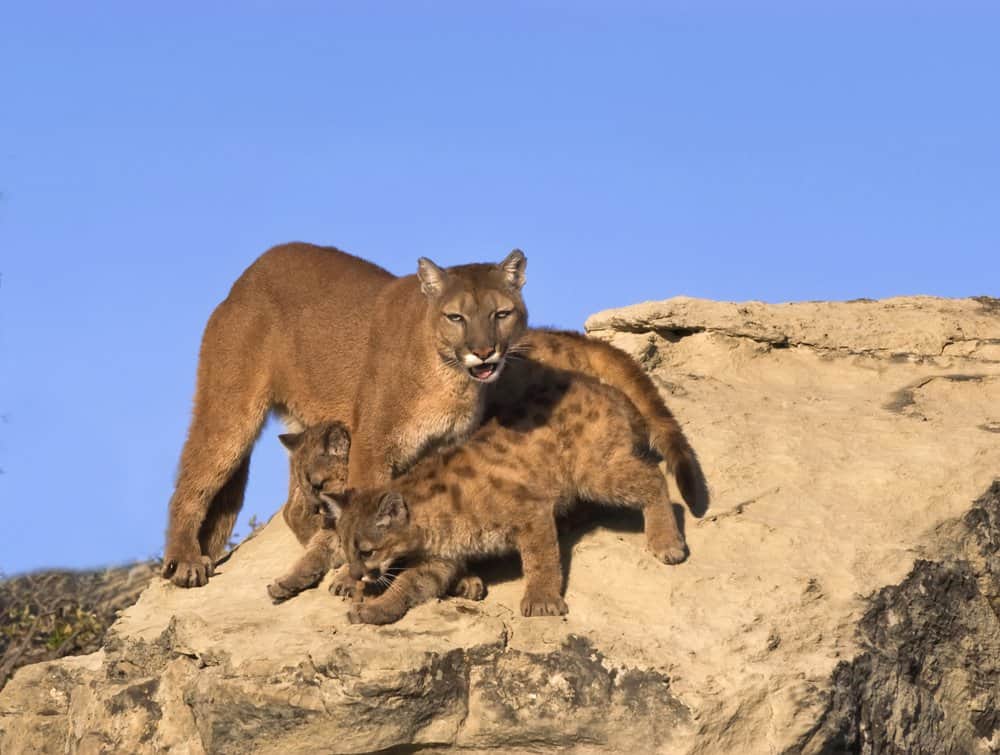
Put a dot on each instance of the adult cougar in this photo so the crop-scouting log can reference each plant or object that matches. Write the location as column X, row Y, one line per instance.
column 315, row 334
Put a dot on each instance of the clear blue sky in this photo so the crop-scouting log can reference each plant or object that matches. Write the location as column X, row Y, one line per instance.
column 634, row 151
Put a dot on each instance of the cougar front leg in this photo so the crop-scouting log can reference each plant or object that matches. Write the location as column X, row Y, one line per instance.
column 310, row 568
column 200, row 526
column 414, row 586
column 539, row 546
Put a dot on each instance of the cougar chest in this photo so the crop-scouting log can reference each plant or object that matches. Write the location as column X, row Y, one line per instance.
column 436, row 422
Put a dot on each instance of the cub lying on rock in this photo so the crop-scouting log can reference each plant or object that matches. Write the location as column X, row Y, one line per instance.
column 555, row 436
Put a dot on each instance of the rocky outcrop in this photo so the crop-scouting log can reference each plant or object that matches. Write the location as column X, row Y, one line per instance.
column 844, row 444
column 927, row 679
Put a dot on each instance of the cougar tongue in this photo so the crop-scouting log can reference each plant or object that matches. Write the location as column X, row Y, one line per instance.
column 483, row 370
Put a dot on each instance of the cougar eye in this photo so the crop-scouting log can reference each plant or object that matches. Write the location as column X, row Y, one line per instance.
column 454, row 316
column 366, row 554
column 500, row 314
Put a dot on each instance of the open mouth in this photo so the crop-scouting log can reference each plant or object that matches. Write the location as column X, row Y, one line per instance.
column 483, row 371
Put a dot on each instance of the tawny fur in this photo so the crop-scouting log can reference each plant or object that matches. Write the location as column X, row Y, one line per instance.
column 551, row 437
column 316, row 334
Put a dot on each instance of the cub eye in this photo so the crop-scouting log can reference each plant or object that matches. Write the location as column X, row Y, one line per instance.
column 366, row 554
column 500, row 314
column 454, row 316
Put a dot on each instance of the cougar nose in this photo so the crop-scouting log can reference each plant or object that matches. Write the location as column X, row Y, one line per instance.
column 485, row 353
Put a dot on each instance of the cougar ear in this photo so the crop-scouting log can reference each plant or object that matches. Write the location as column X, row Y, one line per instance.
column 290, row 441
column 513, row 266
column 338, row 440
column 392, row 511
column 431, row 278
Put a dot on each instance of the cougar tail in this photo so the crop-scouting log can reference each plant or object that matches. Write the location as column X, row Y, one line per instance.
column 669, row 441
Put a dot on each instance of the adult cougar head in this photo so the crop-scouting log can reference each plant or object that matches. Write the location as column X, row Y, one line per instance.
column 476, row 312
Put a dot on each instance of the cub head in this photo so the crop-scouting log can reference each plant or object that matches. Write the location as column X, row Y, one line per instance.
column 375, row 533
column 476, row 312
column 319, row 457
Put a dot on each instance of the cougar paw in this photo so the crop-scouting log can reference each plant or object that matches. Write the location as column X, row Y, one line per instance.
column 189, row 573
column 670, row 554
column 543, row 605
column 469, row 587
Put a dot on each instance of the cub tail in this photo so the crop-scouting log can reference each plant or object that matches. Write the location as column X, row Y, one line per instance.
column 613, row 367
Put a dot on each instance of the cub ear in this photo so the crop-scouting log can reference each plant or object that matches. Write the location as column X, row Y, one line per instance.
column 338, row 440
column 431, row 278
column 392, row 511
column 290, row 441
column 513, row 266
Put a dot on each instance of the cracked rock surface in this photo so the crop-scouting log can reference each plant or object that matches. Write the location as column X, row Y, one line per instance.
column 844, row 445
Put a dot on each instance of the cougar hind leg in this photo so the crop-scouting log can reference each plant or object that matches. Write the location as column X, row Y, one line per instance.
column 231, row 402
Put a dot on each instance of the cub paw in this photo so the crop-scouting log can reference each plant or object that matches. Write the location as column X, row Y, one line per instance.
column 469, row 587
column 370, row 613
column 543, row 606
column 345, row 585
column 356, row 616
column 279, row 593
column 670, row 554
column 188, row 573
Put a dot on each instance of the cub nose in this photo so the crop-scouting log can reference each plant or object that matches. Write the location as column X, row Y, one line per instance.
column 484, row 353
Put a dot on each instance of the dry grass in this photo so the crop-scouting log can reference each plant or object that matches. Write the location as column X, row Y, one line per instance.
column 50, row 614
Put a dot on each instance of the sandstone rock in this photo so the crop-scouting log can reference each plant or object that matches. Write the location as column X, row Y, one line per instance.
column 844, row 444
